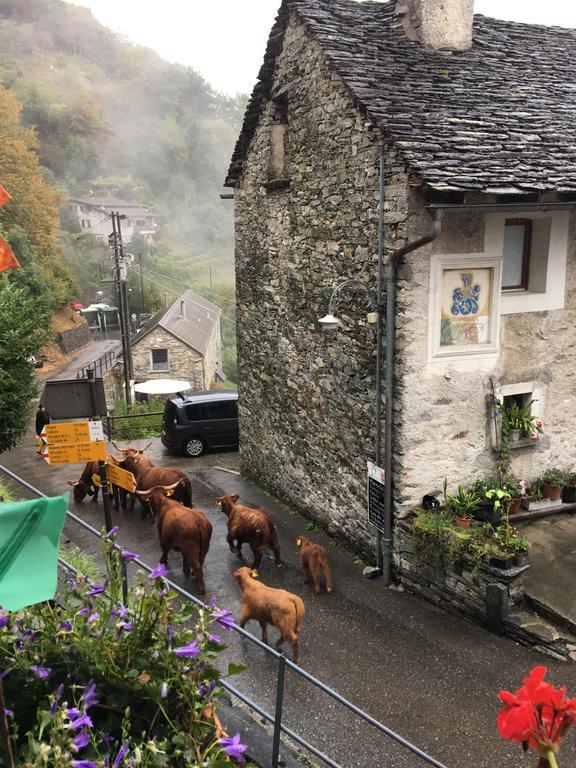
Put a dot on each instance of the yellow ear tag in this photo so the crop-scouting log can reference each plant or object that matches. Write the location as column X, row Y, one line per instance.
column 298, row 542
column 170, row 492
column 254, row 574
column 218, row 503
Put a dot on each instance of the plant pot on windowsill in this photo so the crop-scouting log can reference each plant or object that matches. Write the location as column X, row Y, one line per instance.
column 552, row 492
column 514, row 435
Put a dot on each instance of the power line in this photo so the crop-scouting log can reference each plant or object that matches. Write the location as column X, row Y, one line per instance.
column 178, row 293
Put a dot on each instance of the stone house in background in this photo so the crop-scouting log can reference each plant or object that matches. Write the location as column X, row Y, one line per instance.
column 467, row 116
column 91, row 213
column 181, row 341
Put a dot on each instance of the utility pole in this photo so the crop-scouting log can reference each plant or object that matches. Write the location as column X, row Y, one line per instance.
column 120, row 278
column 210, row 268
column 141, row 283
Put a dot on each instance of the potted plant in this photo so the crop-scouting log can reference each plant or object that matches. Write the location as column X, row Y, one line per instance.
column 569, row 489
column 462, row 504
column 517, row 421
column 533, row 494
column 552, row 482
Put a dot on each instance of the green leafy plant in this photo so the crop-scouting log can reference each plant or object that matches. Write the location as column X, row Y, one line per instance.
column 519, row 417
column 463, row 502
column 109, row 683
column 437, row 541
column 143, row 421
column 555, row 477
column 534, row 490
column 571, row 479
column 500, row 498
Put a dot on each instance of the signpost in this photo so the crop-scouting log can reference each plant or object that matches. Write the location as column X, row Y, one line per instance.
column 74, row 442
column 375, row 493
column 118, row 476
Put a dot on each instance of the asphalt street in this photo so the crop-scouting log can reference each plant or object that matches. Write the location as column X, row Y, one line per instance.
column 430, row 676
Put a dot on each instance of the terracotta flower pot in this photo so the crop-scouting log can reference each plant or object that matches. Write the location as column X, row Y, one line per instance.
column 463, row 522
column 552, row 492
column 515, row 506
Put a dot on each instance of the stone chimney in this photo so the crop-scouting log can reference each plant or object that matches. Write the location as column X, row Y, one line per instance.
column 445, row 25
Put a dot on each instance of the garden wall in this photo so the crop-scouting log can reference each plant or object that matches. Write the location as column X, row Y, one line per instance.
column 74, row 339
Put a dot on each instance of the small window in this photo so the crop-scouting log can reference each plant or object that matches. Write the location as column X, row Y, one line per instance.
column 159, row 359
column 140, row 223
column 517, row 252
column 223, row 410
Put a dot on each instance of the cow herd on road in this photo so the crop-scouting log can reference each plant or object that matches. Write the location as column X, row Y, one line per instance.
column 167, row 494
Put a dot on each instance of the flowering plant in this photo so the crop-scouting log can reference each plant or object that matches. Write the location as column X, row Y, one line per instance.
column 109, row 684
column 538, row 716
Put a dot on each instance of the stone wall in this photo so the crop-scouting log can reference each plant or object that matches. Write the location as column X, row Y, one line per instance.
column 443, row 429
column 75, row 338
column 306, row 397
column 212, row 356
column 184, row 362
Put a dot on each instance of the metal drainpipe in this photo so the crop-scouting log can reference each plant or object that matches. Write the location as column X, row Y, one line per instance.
column 379, row 349
column 391, row 268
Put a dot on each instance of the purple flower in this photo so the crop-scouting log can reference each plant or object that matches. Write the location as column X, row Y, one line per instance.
column 90, row 697
column 224, row 618
column 127, row 555
column 107, row 740
column 93, row 617
column 233, row 748
column 112, row 532
column 84, row 764
column 3, row 673
column 80, row 722
column 57, row 695
column 212, row 603
column 65, row 626
column 72, row 713
column 215, row 638
column 205, row 689
column 159, row 571
column 81, row 740
column 126, row 626
column 121, row 754
column 41, row 672
column 3, row 621
column 188, row 651
column 95, row 589
column 122, row 611
column 83, row 611
column 8, row 712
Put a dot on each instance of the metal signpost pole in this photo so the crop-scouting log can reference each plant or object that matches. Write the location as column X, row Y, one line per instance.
column 101, row 462
column 118, row 276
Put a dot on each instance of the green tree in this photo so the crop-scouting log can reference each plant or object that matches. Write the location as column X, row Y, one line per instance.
column 22, row 318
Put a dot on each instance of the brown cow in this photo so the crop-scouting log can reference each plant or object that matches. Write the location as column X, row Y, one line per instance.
column 85, row 485
column 148, row 476
column 180, row 528
column 249, row 526
column 312, row 557
column 270, row 606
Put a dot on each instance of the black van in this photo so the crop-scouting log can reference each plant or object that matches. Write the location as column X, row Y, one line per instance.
column 195, row 423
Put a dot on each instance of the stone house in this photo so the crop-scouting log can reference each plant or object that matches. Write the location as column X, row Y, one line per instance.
column 456, row 133
column 181, row 341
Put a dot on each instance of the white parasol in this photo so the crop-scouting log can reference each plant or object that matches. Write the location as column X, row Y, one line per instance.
column 162, row 386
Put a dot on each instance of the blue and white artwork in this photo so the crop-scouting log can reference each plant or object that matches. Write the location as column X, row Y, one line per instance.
column 466, row 306
column 465, row 297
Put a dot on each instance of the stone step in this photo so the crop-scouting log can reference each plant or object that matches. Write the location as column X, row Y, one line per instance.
column 549, row 613
column 530, row 628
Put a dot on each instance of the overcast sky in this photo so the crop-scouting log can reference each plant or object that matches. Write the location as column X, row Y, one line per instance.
column 225, row 40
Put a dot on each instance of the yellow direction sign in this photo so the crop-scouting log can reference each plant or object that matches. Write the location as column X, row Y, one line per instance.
column 73, row 432
column 78, row 453
column 120, row 477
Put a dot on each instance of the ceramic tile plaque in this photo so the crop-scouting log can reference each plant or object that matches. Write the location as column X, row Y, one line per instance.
column 466, row 307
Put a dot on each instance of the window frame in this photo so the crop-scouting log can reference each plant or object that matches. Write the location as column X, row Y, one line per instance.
column 159, row 370
column 526, row 256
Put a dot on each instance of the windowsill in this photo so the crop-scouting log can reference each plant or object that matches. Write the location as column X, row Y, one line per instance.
column 517, row 302
column 159, row 370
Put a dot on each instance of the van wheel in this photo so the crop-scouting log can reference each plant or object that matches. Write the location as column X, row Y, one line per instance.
column 194, row 447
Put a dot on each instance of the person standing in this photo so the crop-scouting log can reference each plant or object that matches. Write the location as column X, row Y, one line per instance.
column 42, row 418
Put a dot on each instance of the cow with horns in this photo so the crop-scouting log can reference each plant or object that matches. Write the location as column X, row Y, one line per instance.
column 183, row 529
column 148, row 476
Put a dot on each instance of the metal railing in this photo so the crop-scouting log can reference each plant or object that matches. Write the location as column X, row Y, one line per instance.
column 276, row 719
column 121, row 428
column 100, row 366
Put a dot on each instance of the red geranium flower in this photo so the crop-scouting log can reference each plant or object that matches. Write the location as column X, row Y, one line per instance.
column 537, row 715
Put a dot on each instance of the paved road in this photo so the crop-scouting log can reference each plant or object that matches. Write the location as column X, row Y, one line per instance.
column 430, row 676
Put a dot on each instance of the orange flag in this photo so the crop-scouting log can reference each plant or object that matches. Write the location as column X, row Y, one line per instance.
column 7, row 258
column 4, row 196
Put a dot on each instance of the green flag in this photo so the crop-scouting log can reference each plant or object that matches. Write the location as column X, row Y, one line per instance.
column 29, row 542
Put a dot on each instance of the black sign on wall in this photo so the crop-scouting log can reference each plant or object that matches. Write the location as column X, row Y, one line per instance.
column 376, row 487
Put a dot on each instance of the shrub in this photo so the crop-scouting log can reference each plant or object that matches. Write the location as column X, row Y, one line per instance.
column 436, row 539
column 139, row 423
column 110, row 684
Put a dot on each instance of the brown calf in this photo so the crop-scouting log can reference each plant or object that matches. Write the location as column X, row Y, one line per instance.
column 182, row 529
column 312, row 558
column 249, row 526
column 270, row 606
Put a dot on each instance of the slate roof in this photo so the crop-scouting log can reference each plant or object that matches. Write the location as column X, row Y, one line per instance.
column 110, row 202
column 194, row 327
column 499, row 118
